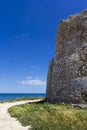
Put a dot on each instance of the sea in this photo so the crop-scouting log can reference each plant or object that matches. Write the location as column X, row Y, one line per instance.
column 14, row 96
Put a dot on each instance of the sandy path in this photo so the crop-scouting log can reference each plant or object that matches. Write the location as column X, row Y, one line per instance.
column 7, row 122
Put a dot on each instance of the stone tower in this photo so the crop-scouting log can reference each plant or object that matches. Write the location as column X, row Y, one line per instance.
column 67, row 74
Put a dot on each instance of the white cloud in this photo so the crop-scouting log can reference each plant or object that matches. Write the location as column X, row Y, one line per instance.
column 34, row 82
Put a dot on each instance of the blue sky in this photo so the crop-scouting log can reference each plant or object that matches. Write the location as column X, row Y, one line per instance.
column 27, row 37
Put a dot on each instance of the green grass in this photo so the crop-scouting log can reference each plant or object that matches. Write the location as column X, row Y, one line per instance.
column 25, row 99
column 45, row 116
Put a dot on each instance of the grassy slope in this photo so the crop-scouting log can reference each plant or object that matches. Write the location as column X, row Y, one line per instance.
column 50, row 117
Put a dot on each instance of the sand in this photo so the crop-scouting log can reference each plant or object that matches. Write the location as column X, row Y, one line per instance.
column 6, row 121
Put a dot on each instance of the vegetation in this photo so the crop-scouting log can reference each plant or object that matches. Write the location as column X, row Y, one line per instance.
column 45, row 116
column 23, row 99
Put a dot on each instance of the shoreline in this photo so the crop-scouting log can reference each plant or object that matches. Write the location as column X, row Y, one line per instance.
column 4, row 97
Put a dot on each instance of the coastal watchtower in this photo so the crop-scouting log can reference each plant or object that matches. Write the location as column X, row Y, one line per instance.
column 67, row 74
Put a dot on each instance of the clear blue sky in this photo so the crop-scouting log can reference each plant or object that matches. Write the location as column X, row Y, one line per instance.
column 27, row 37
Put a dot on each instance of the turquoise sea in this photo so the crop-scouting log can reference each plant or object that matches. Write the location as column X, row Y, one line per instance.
column 13, row 96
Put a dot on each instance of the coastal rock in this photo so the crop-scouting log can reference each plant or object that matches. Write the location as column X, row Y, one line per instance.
column 67, row 74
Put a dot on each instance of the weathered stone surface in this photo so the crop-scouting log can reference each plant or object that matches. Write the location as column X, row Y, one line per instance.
column 67, row 74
